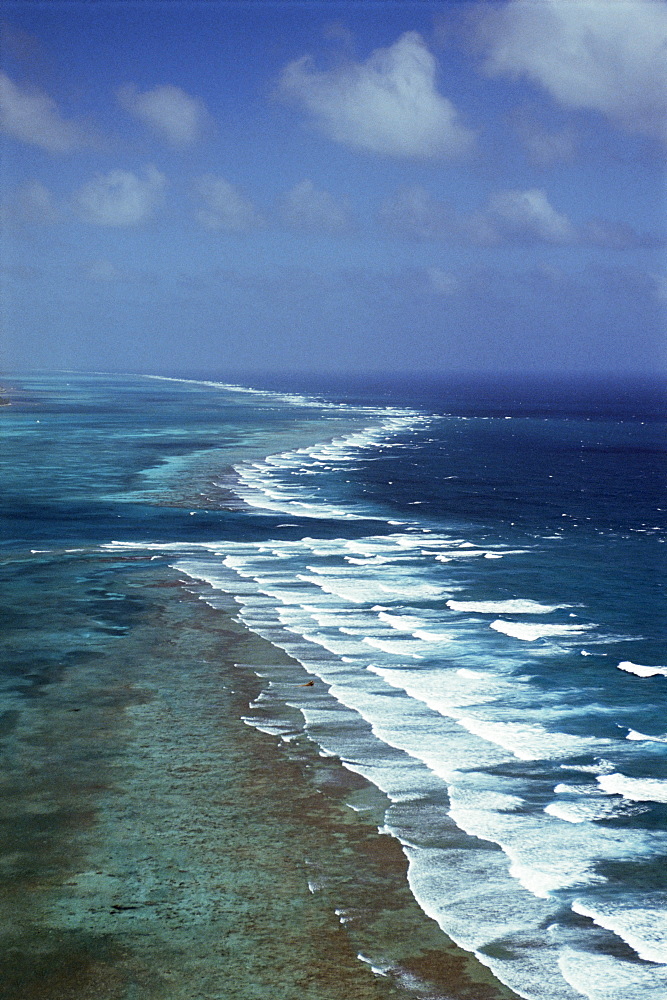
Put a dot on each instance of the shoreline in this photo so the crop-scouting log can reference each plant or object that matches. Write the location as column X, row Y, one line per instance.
column 162, row 849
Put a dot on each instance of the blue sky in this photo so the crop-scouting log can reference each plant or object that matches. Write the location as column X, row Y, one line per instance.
column 363, row 186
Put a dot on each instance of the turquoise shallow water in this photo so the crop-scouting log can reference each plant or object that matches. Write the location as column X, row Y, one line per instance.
column 454, row 590
column 153, row 846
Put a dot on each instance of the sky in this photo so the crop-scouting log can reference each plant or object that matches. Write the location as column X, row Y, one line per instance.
column 368, row 186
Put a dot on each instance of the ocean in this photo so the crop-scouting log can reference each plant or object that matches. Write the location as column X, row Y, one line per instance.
column 444, row 604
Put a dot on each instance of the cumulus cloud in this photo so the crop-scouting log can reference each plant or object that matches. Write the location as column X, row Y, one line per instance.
column 388, row 104
column 441, row 282
column 120, row 198
column 516, row 216
column 225, row 207
column 32, row 203
column 33, row 117
column 526, row 216
column 168, row 111
column 618, row 236
column 545, row 146
column 601, row 55
column 306, row 207
column 415, row 213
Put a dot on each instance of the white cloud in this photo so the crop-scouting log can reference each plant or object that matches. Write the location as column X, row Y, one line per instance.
column 441, row 282
column 509, row 217
column 388, row 104
column 415, row 213
column 120, row 198
column 545, row 146
column 527, row 216
column 167, row 110
column 34, row 118
column 225, row 207
column 31, row 203
column 306, row 207
column 618, row 236
column 601, row 55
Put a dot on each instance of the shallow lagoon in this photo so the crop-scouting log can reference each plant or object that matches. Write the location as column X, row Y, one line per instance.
column 153, row 845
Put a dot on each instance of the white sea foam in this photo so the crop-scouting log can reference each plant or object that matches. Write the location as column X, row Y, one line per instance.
column 543, row 858
column 285, row 397
column 356, row 590
column 529, row 632
column 564, row 789
column 587, row 811
column 433, row 636
column 634, row 735
column 412, row 589
column 601, row 767
column 418, row 539
column 334, row 643
column 335, row 617
column 378, row 970
column 511, row 607
column 603, row 977
column 287, row 596
column 449, row 554
column 467, row 893
column 642, row 671
column 447, row 692
column 262, row 727
column 635, row 789
column 452, row 554
column 642, row 923
column 403, row 623
column 370, row 590
column 370, row 546
column 263, row 484
column 371, row 560
column 396, row 647
column 529, row 741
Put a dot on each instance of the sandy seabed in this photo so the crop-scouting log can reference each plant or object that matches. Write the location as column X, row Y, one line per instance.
column 155, row 847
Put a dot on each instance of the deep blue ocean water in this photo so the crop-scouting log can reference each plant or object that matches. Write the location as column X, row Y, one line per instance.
column 471, row 572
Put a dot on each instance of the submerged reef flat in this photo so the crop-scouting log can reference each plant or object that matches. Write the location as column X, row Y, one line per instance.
column 153, row 846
